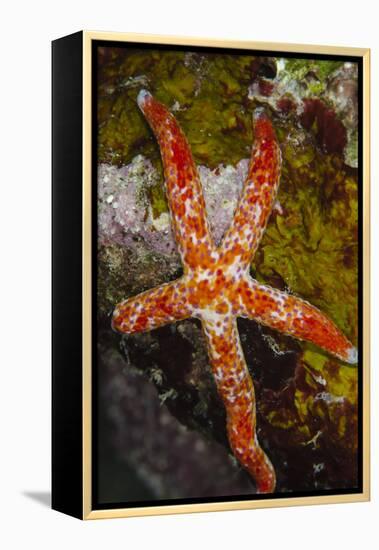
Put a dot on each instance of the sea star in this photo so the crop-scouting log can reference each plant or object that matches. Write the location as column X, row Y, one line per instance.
column 216, row 286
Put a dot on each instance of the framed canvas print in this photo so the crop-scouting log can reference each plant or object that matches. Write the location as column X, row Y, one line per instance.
column 210, row 275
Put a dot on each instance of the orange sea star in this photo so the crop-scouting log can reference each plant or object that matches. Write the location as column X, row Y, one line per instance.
column 216, row 286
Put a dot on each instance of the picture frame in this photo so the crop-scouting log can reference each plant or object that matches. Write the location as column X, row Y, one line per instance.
column 315, row 124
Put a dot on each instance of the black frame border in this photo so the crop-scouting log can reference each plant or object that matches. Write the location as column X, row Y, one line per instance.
column 96, row 505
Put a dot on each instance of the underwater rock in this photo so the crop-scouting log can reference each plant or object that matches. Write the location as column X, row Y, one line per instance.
column 322, row 95
column 125, row 213
column 170, row 459
column 128, row 211
column 342, row 92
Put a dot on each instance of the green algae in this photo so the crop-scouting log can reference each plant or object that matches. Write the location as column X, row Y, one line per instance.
column 306, row 78
column 158, row 200
column 298, row 69
column 311, row 248
column 208, row 92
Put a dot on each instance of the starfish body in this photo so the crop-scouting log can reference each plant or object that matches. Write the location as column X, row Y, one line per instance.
column 216, row 286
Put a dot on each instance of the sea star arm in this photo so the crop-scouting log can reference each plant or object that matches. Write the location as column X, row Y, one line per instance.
column 152, row 309
column 183, row 186
column 291, row 315
column 236, row 389
column 258, row 195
